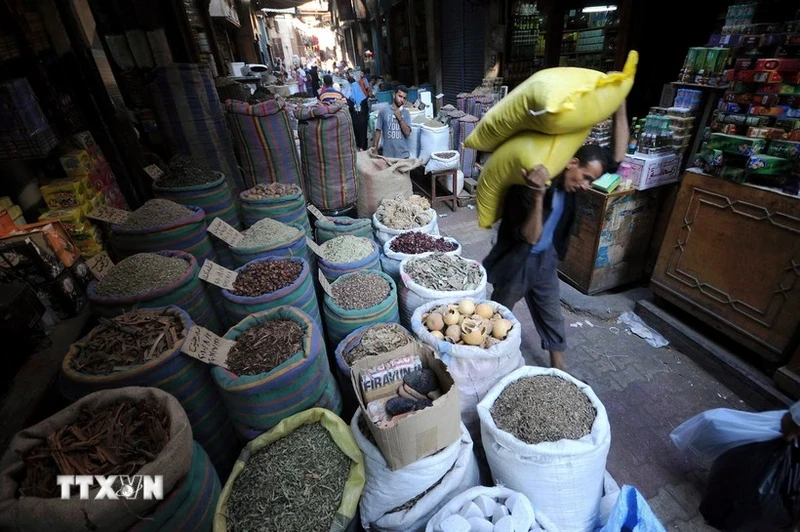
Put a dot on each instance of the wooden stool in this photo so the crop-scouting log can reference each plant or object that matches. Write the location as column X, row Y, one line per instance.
column 451, row 197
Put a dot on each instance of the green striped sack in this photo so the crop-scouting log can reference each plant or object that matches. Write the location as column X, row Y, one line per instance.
column 300, row 294
column 186, row 378
column 340, row 322
column 334, row 270
column 293, row 247
column 289, row 209
column 188, row 293
column 342, row 225
column 256, row 403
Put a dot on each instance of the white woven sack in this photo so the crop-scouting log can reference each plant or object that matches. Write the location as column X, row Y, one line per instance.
column 413, row 295
column 497, row 492
column 384, row 233
column 564, row 479
column 390, row 260
column 433, row 137
column 454, row 468
column 474, row 369
column 439, row 163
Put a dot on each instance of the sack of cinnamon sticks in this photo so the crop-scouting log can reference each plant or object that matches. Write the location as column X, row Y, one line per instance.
column 123, row 432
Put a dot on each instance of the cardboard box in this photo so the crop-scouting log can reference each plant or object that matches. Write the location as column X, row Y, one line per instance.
column 791, row 78
column 736, row 144
column 768, row 165
column 778, row 64
column 785, row 149
column 76, row 163
column 424, row 432
column 649, row 172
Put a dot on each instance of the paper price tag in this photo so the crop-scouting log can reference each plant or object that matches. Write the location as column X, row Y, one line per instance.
column 99, row 265
column 217, row 275
column 154, row 172
column 317, row 213
column 225, row 232
column 104, row 213
column 207, row 347
column 314, row 247
column 326, row 286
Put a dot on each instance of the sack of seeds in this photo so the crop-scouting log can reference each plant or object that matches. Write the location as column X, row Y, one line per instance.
column 270, row 238
column 348, row 254
column 312, row 457
column 265, row 284
column 144, row 431
column 143, row 348
column 442, row 161
column 546, row 435
column 264, row 385
column 412, row 243
column 478, row 365
column 334, row 226
column 434, row 276
column 405, row 499
column 361, row 298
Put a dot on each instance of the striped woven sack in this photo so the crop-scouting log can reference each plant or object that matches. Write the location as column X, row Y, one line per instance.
column 328, row 155
column 264, row 142
column 190, row 116
column 293, row 247
column 188, row 293
column 466, row 125
column 300, row 294
column 331, row 398
column 256, row 403
column 190, row 505
column 216, row 200
column 186, row 378
column 334, row 270
column 340, row 322
column 335, row 226
column 289, row 209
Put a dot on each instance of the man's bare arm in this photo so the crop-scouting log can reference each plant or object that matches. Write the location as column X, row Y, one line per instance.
column 531, row 229
column 376, row 139
column 621, row 133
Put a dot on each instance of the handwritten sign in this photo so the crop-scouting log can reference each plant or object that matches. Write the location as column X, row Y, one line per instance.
column 104, row 213
column 154, row 172
column 217, row 275
column 225, row 232
column 317, row 213
column 326, row 286
column 99, row 265
column 207, row 347
column 314, row 247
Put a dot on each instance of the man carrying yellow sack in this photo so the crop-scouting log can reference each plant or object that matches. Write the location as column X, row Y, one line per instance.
column 534, row 235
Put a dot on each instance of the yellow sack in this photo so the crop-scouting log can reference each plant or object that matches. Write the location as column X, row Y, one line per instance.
column 523, row 151
column 341, row 435
column 564, row 100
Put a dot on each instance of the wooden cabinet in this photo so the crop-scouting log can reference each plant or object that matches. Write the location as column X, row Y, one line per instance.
column 610, row 238
column 731, row 257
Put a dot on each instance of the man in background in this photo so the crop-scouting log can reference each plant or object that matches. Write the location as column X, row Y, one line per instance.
column 329, row 94
column 394, row 126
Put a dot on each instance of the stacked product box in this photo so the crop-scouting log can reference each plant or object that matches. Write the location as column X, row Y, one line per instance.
column 11, row 212
column 82, row 157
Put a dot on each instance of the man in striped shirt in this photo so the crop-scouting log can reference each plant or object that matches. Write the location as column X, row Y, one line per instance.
column 329, row 94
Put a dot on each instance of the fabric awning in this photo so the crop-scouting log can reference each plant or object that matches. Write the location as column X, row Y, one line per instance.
column 280, row 4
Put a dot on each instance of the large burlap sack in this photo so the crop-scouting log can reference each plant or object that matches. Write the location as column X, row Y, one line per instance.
column 564, row 479
column 46, row 515
column 380, row 178
column 555, row 101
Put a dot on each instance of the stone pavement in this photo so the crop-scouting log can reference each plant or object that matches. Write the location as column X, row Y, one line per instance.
column 647, row 392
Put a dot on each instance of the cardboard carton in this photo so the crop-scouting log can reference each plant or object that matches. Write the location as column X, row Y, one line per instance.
column 649, row 172
column 425, row 432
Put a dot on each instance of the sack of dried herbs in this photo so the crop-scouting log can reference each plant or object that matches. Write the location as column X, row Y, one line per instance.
column 310, row 455
column 547, row 435
column 348, row 254
column 334, row 226
column 143, row 348
column 279, row 368
column 405, row 499
column 475, row 369
column 270, row 238
column 137, row 431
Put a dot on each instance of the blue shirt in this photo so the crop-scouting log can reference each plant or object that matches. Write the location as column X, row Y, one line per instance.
column 549, row 227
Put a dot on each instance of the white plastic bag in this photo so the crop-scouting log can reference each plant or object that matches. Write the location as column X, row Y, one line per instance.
column 563, row 479
column 708, row 435
column 451, row 471
column 413, row 295
column 610, row 495
column 390, row 260
column 447, row 182
column 384, row 233
column 441, row 161
column 474, row 369
column 434, row 136
column 498, row 493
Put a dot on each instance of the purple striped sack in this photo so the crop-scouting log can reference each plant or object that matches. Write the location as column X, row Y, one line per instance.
column 264, row 142
column 466, row 125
